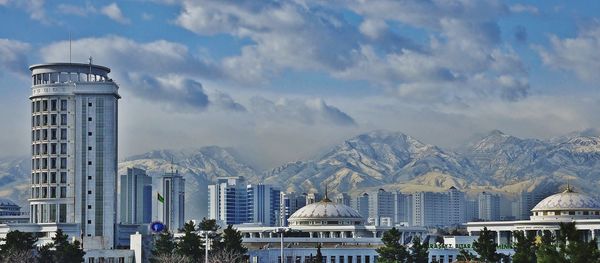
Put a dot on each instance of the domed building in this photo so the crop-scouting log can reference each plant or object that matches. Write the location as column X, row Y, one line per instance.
column 339, row 229
column 566, row 206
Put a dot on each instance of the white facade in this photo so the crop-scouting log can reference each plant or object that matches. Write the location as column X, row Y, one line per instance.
column 430, row 209
column 135, row 197
column 74, row 110
column 171, row 186
column 489, row 206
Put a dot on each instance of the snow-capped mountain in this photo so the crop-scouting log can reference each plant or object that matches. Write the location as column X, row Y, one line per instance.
column 373, row 159
column 379, row 159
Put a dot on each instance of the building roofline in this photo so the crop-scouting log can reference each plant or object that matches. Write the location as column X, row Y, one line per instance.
column 66, row 64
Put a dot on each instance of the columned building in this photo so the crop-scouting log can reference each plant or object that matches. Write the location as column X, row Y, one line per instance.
column 74, row 109
column 338, row 228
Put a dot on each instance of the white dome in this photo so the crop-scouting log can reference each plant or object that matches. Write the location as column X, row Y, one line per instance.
column 567, row 200
column 326, row 211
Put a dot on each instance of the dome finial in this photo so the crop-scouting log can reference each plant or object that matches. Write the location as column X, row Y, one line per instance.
column 569, row 189
column 326, row 199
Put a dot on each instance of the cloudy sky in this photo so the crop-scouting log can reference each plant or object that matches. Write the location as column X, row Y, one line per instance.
column 283, row 80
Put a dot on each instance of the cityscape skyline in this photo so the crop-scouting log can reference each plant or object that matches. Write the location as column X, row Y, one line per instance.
column 526, row 70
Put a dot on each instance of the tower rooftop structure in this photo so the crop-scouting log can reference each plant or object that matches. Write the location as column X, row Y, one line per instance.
column 74, row 113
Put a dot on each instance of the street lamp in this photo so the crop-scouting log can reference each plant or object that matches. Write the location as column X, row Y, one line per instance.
column 281, row 231
column 206, row 234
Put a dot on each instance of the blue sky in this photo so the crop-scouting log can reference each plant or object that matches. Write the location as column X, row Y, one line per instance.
column 282, row 80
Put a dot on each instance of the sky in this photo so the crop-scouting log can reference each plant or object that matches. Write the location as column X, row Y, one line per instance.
column 284, row 80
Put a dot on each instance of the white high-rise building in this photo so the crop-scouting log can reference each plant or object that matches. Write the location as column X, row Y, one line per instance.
column 456, row 206
column 171, row 210
column 74, row 112
column 489, row 206
column 381, row 207
column 135, row 197
column 227, row 200
column 430, row 209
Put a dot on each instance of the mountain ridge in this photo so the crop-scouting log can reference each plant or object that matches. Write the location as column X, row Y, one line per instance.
column 497, row 162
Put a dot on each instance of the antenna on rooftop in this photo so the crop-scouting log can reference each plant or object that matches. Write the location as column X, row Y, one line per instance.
column 70, row 47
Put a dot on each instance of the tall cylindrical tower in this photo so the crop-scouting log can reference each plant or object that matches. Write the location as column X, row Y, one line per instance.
column 74, row 149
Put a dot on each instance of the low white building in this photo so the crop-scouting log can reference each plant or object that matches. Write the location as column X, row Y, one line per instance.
column 338, row 228
column 564, row 207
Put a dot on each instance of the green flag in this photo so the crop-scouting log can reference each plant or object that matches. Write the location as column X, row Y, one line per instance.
column 160, row 198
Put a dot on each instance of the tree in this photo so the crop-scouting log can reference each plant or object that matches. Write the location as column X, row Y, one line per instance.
column 170, row 258
column 232, row 241
column 20, row 256
column 225, row 256
column 464, row 255
column 524, row 247
column 319, row 257
column 190, row 244
column 392, row 250
column 547, row 251
column 18, row 241
column 65, row 251
column 572, row 246
column 163, row 245
column 418, row 251
column 486, row 247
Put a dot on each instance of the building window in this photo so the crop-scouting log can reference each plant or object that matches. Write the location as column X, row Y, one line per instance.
column 89, row 104
column 89, row 192
column 63, row 163
column 63, row 177
column 89, row 133
column 63, row 134
column 53, row 148
column 63, row 119
column 63, row 105
column 45, row 105
column 89, row 222
column 63, row 148
column 52, row 177
column 53, row 134
column 89, row 118
column 53, row 119
column 53, row 192
column 63, row 192
column 89, row 162
column 89, row 206
column 44, row 178
column 53, row 105
column 89, row 148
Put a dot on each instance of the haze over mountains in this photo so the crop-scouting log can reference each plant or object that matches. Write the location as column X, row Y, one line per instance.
column 380, row 159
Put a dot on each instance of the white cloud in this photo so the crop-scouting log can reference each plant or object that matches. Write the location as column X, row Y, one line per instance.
column 578, row 55
column 77, row 10
column 114, row 12
column 13, row 56
column 314, row 36
column 521, row 8
column 306, row 111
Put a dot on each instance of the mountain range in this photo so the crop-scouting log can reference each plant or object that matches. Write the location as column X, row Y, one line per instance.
column 380, row 159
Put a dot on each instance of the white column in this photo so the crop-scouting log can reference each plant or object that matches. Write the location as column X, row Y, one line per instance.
column 499, row 236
